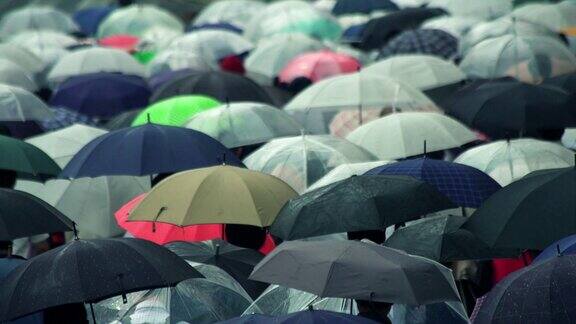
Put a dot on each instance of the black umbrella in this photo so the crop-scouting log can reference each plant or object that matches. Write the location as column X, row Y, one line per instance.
column 379, row 31
column 86, row 271
column 357, row 204
column 280, row 97
column 22, row 215
column 540, row 293
column 122, row 120
column 505, row 108
column 441, row 239
column 236, row 261
column 530, row 213
column 565, row 81
column 222, row 86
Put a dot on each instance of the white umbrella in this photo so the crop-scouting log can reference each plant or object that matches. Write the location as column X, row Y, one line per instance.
column 302, row 160
column 569, row 138
column 38, row 40
column 136, row 20
column 15, row 75
column 17, row 104
column 157, row 39
column 172, row 60
column 35, row 18
column 457, row 26
column 244, row 123
column 235, row 12
column 402, row 135
column 92, row 60
column 345, row 171
column 63, row 144
column 22, row 56
column 271, row 55
column 555, row 16
column 508, row 161
column 485, row 9
column 420, row 71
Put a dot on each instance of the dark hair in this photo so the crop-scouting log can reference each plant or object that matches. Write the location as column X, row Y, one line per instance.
column 246, row 236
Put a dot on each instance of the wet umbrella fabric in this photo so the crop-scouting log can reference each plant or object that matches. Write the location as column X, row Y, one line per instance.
column 561, row 247
column 236, row 261
column 122, row 120
column 357, row 204
column 316, row 66
column 17, row 104
column 166, row 149
column 347, row 7
column 441, row 239
column 542, row 292
column 307, row 316
column 222, row 86
column 530, row 213
column 29, row 161
column 86, row 271
column 88, row 19
column 102, row 94
column 23, row 215
column 464, row 185
column 175, row 111
column 422, row 41
column 338, row 269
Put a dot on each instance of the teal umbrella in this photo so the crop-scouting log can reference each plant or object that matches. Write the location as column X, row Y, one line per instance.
column 26, row 159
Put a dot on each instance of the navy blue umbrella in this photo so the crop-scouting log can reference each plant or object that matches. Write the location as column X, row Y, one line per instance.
column 218, row 26
column 90, row 18
column 540, row 293
column 422, row 41
column 6, row 266
column 146, row 150
column 347, row 7
column 303, row 317
column 159, row 79
column 102, row 94
column 564, row 246
column 465, row 186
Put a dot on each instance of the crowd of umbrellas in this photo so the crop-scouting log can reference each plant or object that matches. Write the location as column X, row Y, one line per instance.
column 291, row 161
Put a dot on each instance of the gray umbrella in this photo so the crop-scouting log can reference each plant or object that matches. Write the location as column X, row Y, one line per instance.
column 358, row 270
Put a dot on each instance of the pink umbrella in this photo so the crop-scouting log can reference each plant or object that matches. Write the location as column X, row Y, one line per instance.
column 319, row 65
column 162, row 233
column 126, row 43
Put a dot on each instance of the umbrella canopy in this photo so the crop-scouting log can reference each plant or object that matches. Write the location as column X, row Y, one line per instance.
column 561, row 247
column 508, row 161
column 126, row 43
column 63, row 144
column 64, row 118
column 35, row 18
column 22, row 56
column 302, row 160
column 122, row 120
column 89, row 271
column 137, row 19
column 345, row 171
column 145, row 150
column 485, row 10
column 175, row 111
column 457, row 26
column 235, row 12
column 102, row 94
column 421, row 71
column 441, row 238
column 94, row 60
column 37, row 40
column 530, row 213
column 552, row 16
column 422, row 41
column 175, row 60
column 339, row 268
column 26, row 159
column 13, row 74
column 17, row 104
column 24, row 215
column 542, row 292
column 318, row 105
column 307, row 316
column 222, row 86
column 317, row 66
column 271, row 55
column 244, row 197
column 358, row 203
column 410, row 134
column 507, row 108
column 465, row 186
column 236, row 261
column 348, row 7
column 527, row 58
column 89, row 18
column 89, row 202
column 244, row 123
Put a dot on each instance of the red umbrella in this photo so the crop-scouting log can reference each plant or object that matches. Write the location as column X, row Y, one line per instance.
column 162, row 233
column 126, row 43
column 319, row 65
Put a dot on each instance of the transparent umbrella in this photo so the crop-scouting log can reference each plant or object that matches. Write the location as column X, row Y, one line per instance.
column 244, row 123
column 302, row 160
column 22, row 56
column 235, row 12
column 457, row 26
column 555, row 16
column 156, row 39
column 174, row 60
column 35, row 18
column 527, row 58
column 17, row 104
column 345, row 171
column 14, row 75
column 485, row 10
column 508, row 161
column 37, row 40
column 367, row 96
column 136, row 20
column 569, row 138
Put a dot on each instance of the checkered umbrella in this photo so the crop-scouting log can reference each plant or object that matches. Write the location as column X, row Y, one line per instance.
column 464, row 185
column 424, row 41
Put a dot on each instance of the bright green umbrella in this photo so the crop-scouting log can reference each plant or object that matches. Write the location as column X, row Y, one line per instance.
column 175, row 111
column 26, row 159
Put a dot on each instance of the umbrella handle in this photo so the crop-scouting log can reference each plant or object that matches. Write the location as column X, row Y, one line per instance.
column 124, row 297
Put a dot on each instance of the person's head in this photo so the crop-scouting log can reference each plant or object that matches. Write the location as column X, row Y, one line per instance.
column 380, row 308
column 246, row 236
column 7, row 178
column 157, row 179
column 299, row 84
column 5, row 248
column 376, row 236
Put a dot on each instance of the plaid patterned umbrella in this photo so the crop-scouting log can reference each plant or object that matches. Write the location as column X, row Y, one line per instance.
column 63, row 118
column 465, row 186
column 424, row 41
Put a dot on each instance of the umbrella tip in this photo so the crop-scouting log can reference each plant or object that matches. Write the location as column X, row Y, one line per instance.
column 148, row 120
column 223, row 158
column 424, row 148
column 75, row 231
column 558, row 250
column 311, row 308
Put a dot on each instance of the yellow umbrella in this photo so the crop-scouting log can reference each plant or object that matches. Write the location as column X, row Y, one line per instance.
column 215, row 195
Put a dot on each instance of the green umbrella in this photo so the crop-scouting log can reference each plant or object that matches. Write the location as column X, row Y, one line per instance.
column 144, row 56
column 441, row 239
column 175, row 111
column 26, row 159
